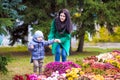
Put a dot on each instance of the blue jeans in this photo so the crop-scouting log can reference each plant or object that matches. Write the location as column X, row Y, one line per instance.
column 60, row 51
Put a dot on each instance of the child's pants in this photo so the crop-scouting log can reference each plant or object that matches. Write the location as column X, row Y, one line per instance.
column 37, row 65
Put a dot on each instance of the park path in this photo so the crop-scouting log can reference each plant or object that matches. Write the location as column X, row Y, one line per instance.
column 102, row 45
column 74, row 44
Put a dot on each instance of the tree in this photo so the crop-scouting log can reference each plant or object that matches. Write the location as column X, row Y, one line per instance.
column 91, row 11
column 39, row 12
column 43, row 11
column 10, row 10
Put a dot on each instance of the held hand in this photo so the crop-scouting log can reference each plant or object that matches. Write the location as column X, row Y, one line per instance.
column 57, row 40
column 32, row 47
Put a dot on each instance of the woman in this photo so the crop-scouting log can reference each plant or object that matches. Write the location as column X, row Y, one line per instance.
column 61, row 29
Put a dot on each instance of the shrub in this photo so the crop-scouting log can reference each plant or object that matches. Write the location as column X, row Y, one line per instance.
column 61, row 67
column 3, row 62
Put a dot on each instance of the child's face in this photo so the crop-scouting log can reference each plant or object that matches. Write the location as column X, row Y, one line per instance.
column 39, row 39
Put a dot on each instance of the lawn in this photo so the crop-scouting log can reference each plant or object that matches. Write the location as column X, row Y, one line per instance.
column 20, row 59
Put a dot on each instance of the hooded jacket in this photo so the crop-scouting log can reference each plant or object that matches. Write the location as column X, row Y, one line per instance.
column 38, row 51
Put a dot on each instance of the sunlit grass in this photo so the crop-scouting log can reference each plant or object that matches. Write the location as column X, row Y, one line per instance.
column 13, row 49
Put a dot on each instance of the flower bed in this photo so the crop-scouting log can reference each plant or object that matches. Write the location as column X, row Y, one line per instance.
column 61, row 67
column 105, row 66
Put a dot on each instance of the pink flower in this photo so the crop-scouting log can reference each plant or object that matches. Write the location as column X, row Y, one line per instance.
column 33, row 77
column 61, row 67
column 40, row 77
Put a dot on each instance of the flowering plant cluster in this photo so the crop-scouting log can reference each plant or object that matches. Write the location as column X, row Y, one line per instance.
column 54, row 76
column 104, row 64
column 21, row 77
column 74, row 73
column 61, row 67
column 104, row 56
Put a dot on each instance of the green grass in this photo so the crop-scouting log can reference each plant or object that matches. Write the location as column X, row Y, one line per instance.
column 20, row 59
column 12, row 49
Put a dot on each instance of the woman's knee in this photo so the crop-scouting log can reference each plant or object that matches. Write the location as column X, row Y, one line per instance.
column 64, row 53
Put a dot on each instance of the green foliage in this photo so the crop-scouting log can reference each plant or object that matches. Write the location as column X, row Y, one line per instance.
column 6, row 22
column 79, row 61
column 36, row 14
column 44, row 26
column 90, row 11
column 116, row 36
column 104, row 36
column 11, row 8
column 3, row 63
column 40, row 12
column 98, row 11
column 95, row 10
column 86, row 38
column 10, row 11
column 3, row 23
column 112, row 13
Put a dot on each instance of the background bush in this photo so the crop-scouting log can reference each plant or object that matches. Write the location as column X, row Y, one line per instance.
column 3, row 63
column 103, row 35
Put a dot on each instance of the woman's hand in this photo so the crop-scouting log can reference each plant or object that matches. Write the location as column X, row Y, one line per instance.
column 57, row 40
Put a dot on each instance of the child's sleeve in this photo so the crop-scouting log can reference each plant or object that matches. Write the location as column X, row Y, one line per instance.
column 29, row 47
column 49, row 42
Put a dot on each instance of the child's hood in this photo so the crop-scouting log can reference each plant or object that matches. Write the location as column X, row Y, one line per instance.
column 38, row 34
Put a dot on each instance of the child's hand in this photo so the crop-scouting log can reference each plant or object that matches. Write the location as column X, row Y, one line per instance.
column 32, row 47
column 57, row 40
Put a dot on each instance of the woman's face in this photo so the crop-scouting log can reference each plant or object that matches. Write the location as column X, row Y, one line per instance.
column 62, row 17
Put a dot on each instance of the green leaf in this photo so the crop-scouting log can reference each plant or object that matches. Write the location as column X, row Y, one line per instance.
column 22, row 7
column 6, row 22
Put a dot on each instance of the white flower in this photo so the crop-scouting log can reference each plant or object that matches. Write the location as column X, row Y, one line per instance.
column 64, row 75
column 104, row 56
column 49, row 78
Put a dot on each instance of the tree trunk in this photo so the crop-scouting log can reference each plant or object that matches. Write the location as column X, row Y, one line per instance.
column 81, row 43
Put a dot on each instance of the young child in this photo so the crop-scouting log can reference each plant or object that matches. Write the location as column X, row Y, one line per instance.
column 36, row 47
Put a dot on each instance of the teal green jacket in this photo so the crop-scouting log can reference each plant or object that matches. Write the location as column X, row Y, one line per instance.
column 64, row 38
